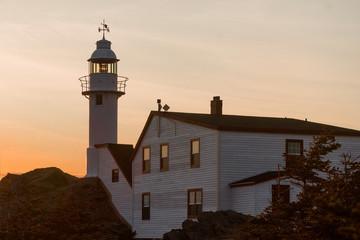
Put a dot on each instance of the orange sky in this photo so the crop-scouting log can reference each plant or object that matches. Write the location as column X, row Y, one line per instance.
column 275, row 58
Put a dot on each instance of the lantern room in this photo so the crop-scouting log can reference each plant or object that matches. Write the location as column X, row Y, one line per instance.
column 103, row 73
column 95, row 67
column 103, row 59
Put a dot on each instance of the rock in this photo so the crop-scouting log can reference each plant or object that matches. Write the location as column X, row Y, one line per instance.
column 175, row 234
column 220, row 222
column 193, row 230
column 62, row 197
column 210, row 225
column 235, row 217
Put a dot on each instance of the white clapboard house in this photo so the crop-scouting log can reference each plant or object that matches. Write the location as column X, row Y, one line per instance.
column 185, row 163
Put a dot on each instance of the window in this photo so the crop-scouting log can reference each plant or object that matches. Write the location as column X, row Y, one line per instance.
column 146, row 206
column 146, row 159
column 195, row 153
column 164, row 157
column 281, row 193
column 98, row 99
column 294, row 148
column 102, row 68
column 194, row 203
column 115, row 175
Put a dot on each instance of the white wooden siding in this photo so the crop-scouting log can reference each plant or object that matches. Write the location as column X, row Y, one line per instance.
column 121, row 192
column 243, row 199
column 263, row 194
column 348, row 145
column 253, row 199
column 243, row 155
column 168, row 190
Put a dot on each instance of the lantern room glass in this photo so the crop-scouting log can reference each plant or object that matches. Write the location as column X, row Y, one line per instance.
column 102, row 68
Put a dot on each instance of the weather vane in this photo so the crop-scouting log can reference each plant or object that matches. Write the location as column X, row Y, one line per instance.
column 104, row 28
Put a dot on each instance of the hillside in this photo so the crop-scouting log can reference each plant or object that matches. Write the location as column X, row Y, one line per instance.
column 50, row 204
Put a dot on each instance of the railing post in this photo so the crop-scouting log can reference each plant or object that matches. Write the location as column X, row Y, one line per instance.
column 120, row 84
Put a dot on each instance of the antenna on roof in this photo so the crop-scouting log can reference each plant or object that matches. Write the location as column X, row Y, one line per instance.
column 159, row 105
column 165, row 107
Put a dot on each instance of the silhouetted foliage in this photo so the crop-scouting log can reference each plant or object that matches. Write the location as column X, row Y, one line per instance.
column 341, row 200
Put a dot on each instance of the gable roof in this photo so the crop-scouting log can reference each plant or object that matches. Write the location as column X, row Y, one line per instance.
column 248, row 124
column 122, row 154
column 255, row 124
column 263, row 177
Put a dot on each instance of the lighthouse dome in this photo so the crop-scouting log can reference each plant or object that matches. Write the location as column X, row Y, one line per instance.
column 103, row 52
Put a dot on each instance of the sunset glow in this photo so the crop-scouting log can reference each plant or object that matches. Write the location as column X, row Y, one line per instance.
column 275, row 58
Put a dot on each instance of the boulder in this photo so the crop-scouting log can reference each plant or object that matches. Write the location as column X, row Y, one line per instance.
column 193, row 230
column 49, row 202
column 175, row 234
column 209, row 225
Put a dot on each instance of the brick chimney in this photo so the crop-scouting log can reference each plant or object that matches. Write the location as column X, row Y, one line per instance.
column 216, row 106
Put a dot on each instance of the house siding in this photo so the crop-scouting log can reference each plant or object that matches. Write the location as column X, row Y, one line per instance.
column 243, row 199
column 263, row 194
column 253, row 199
column 168, row 189
column 244, row 154
column 121, row 192
column 348, row 145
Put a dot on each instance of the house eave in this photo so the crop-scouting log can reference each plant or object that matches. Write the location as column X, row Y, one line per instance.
column 242, row 184
column 256, row 179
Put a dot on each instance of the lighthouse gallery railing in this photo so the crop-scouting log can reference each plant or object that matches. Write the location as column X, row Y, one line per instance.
column 120, row 85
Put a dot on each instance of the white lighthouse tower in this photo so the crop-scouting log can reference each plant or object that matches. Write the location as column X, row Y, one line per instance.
column 102, row 87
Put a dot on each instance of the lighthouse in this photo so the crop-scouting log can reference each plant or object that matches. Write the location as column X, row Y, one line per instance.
column 103, row 86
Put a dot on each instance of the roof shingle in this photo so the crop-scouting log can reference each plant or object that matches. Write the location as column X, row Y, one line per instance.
column 263, row 177
column 256, row 124
column 248, row 124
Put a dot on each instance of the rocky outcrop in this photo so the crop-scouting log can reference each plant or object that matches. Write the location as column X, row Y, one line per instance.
column 209, row 225
column 56, row 205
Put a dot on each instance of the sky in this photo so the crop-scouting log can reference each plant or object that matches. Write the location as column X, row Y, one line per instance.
column 275, row 58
